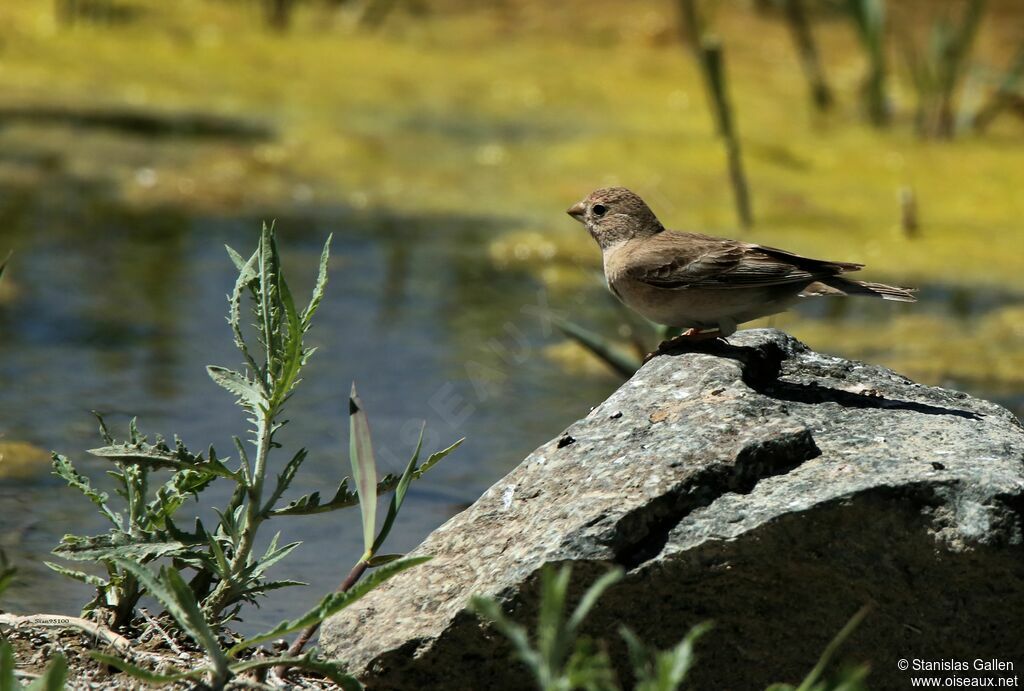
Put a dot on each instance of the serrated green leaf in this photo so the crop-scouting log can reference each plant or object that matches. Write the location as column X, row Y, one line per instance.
column 64, row 469
column 284, row 480
column 247, row 392
column 310, row 503
column 320, row 287
column 162, row 456
column 364, row 468
column 82, row 576
column 291, row 350
column 117, row 545
column 333, row 603
column 178, row 600
column 435, row 457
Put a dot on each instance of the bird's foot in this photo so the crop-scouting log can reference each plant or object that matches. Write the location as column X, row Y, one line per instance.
column 689, row 336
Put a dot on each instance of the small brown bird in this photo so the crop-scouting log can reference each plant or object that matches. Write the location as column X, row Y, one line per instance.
column 704, row 284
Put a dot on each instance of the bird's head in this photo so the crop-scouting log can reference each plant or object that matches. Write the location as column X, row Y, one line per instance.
column 615, row 214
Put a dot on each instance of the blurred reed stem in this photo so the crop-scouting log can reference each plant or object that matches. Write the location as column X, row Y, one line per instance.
column 1006, row 95
column 938, row 68
column 710, row 57
column 869, row 18
column 807, row 50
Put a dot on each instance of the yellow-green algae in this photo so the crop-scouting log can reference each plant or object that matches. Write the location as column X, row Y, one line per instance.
column 519, row 109
column 20, row 460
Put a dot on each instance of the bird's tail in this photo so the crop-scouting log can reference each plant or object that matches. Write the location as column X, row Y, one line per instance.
column 837, row 285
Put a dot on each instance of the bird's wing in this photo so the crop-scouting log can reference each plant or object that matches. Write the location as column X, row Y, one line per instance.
column 678, row 260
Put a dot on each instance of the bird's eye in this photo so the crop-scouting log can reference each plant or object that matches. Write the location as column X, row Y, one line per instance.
column 599, row 210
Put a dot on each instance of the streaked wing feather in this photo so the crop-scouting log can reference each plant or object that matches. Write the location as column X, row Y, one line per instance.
column 700, row 261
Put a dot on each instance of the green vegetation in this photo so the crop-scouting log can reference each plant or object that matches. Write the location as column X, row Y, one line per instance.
column 226, row 571
column 559, row 658
column 52, row 679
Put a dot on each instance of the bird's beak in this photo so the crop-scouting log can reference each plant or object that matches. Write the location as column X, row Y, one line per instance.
column 577, row 210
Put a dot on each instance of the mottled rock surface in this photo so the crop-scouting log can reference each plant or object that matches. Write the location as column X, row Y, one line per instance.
column 759, row 484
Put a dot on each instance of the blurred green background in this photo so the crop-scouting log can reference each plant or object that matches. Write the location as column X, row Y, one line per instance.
column 441, row 142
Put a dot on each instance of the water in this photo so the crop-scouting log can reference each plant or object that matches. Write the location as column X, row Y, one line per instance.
column 124, row 322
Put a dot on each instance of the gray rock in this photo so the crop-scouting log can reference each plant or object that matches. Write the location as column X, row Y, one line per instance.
column 758, row 484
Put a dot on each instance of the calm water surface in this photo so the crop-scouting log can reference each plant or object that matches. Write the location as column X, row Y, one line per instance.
column 124, row 321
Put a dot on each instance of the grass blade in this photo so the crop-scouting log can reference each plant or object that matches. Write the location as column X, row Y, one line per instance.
column 591, row 597
column 599, row 346
column 399, row 495
column 144, row 674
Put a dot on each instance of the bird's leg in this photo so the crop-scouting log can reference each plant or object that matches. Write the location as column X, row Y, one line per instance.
column 691, row 335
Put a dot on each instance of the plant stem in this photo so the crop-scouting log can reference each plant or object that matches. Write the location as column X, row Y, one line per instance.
column 240, row 559
column 350, row 580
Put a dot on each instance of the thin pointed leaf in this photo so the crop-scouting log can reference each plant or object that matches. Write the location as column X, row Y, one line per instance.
column 144, row 674
column 333, row 603
column 332, row 670
column 8, row 681
column 598, row 345
column 552, row 639
column 832, row 647
column 272, row 556
column 382, row 559
column 591, row 597
column 489, row 610
column 364, row 468
column 238, row 260
column 284, row 479
column 399, row 495
column 105, row 434
column 53, row 677
column 3, row 265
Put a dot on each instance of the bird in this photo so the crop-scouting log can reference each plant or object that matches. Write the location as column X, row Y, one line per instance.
column 703, row 284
